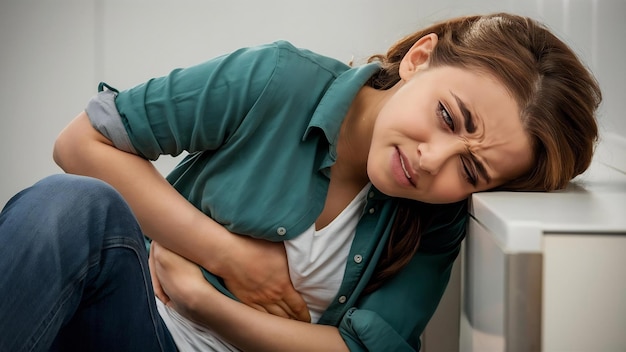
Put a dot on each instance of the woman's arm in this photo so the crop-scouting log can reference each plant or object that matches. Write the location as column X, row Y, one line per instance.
column 164, row 215
column 255, row 271
column 179, row 284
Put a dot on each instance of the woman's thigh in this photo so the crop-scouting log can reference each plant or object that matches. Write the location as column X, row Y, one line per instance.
column 75, row 272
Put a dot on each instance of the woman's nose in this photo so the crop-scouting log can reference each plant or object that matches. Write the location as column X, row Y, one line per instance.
column 434, row 154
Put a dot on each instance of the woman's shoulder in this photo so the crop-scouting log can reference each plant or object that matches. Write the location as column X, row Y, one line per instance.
column 301, row 58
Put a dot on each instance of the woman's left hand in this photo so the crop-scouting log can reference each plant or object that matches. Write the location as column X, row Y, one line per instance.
column 176, row 280
column 185, row 290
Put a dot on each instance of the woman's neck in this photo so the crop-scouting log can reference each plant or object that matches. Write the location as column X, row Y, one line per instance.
column 356, row 131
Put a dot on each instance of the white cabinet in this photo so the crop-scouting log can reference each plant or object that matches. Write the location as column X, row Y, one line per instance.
column 544, row 271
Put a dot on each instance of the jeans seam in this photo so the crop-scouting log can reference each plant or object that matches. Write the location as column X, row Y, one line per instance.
column 133, row 245
column 55, row 310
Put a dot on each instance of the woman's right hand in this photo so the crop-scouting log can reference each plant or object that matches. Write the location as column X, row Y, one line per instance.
column 257, row 273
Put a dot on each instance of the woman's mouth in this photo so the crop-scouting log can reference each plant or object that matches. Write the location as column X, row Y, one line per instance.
column 401, row 169
column 406, row 173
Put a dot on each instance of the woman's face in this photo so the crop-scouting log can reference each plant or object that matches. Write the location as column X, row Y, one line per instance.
column 445, row 133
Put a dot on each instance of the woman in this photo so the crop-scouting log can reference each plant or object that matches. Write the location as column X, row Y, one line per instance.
column 349, row 183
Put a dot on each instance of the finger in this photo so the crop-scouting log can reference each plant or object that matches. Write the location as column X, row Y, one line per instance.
column 288, row 311
column 275, row 306
column 294, row 304
column 158, row 289
column 156, row 283
column 286, row 308
column 273, row 309
column 277, row 310
column 258, row 307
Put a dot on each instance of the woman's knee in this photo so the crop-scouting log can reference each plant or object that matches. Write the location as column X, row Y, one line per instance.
column 70, row 200
column 70, row 193
column 68, row 186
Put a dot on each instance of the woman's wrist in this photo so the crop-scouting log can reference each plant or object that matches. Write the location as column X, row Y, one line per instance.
column 216, row 241
column 198, row 301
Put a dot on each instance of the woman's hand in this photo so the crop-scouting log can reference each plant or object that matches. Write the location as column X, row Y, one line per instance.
column 257, row 273
column 176, row 280
column 156, row 283
column 183, row 287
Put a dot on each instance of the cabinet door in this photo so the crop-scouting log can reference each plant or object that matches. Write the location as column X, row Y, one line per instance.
column 584, row 292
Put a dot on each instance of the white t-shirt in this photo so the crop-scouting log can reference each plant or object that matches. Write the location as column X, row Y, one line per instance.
column 317, row 261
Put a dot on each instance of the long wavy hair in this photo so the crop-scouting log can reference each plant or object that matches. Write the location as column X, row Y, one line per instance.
column 557, row 95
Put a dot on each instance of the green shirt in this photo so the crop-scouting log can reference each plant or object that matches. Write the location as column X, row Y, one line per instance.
column 261, row 126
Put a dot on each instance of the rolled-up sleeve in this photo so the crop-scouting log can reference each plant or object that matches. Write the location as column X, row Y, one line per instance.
column 105, row 118
column 364, row 330
column 192, row 109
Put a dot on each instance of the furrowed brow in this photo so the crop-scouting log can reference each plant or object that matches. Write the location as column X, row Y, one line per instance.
column 468, row 119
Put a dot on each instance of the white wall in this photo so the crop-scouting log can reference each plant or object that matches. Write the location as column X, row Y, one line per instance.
column 53, row 53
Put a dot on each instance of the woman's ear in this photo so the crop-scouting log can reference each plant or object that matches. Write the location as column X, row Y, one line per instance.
column 418, row 57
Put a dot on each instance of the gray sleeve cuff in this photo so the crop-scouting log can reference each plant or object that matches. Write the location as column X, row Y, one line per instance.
column 106, row 119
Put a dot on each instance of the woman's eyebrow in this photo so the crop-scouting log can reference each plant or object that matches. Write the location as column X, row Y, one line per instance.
column 470, row 126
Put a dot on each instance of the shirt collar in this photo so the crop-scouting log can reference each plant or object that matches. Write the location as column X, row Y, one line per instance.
column 335, row 103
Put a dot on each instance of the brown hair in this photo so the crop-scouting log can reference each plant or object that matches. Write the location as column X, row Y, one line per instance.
column 556, row 94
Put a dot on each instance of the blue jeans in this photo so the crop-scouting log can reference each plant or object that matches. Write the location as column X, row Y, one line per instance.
column 74, row 272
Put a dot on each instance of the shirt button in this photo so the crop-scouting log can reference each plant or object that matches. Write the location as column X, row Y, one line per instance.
column 342, row 299
column 372, row 210
column 281, row 231
column 358, row 258
column 371, row 195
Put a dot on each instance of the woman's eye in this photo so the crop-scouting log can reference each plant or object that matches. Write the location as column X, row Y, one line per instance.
column 445, row 116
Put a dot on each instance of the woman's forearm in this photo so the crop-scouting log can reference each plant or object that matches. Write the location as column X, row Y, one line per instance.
column 254, row 270
column 182, row 286
column 162, row 212
column 252, row 330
